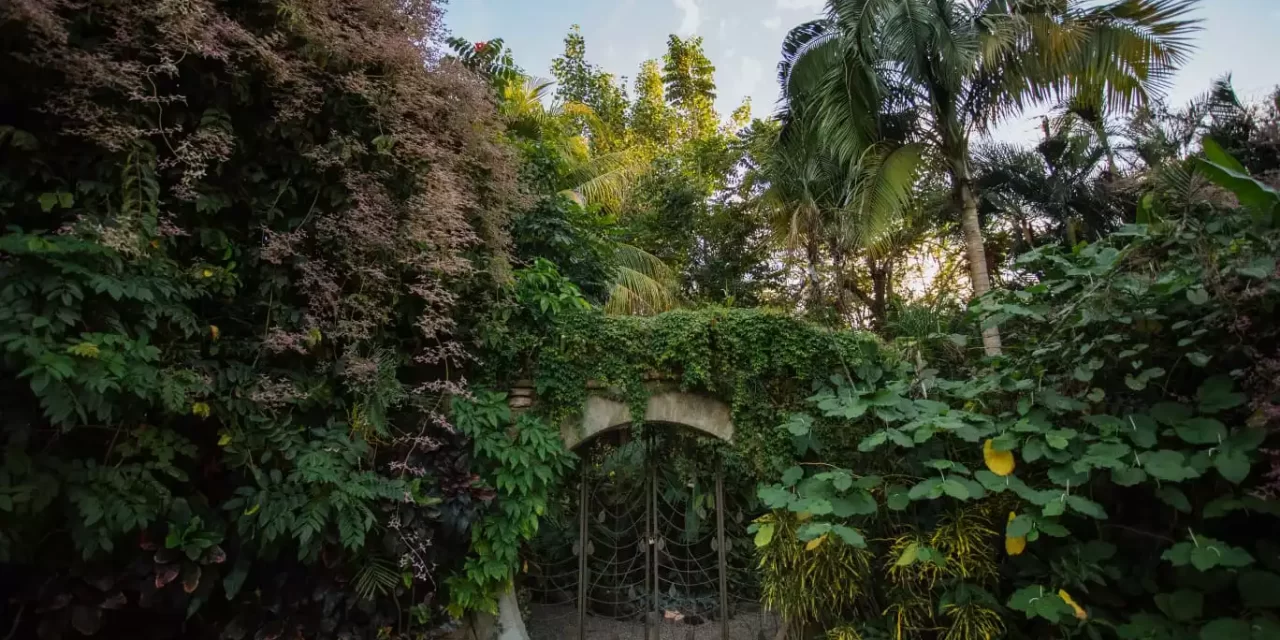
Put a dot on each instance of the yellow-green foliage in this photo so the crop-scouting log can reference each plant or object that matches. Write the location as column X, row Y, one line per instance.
column 844, row 632
column 805, row 582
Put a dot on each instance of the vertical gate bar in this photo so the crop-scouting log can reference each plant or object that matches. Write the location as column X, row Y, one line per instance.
column 648, row 535
column 582, row 554
column 720, row 547
column 653, row 510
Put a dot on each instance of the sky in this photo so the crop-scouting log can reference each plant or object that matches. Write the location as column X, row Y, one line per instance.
column 743, row 39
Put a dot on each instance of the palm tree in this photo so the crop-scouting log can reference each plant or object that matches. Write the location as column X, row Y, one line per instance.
column 846, row 208
column 964, row 65
column 1060, row 187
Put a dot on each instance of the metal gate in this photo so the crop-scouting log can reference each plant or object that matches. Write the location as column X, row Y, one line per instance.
column 648, row 547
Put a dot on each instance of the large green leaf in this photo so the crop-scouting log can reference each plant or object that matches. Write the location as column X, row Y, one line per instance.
column 1259, row 589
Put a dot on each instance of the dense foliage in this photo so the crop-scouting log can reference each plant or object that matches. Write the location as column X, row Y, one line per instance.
column 235, row 235
column 1106, row 477
column 252, row 254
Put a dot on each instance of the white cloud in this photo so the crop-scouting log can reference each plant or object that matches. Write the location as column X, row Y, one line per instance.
column 812, row 5
column 772, row 23
column 692, row 16
column 723, row 31
column 730, row 52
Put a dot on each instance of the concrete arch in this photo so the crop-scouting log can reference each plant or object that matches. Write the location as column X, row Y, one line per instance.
column 602, row 414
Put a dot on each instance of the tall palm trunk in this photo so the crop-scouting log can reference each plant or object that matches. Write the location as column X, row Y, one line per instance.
column 975, row 249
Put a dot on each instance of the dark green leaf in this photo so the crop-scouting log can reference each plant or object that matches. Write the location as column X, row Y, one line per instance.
column 1259, row 589
column 1216, row 394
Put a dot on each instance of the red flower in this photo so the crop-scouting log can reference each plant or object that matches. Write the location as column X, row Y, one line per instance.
column 480, row 46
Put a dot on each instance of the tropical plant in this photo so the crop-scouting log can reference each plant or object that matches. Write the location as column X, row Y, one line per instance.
column 846, row 208
column 240, row 246
column 1096, row 480
column 964, row 65
column 1060, row 189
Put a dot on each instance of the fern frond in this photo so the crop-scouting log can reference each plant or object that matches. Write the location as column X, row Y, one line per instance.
column 376, row 578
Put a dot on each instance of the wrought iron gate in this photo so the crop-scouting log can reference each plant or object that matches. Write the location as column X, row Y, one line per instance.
column 648, row 547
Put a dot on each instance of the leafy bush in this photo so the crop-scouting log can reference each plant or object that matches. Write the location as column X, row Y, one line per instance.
column 1111, row 467
column 235, row 240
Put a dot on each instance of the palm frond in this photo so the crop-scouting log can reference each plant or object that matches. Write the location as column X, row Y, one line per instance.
column 377, row 577
column 882, row 193
column 606, row 179
column 642, row 284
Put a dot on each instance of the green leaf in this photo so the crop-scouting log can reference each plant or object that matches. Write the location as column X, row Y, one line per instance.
column 1168, row 465
column 871, row 442
column 235, row 578
column 1232, row 464
column 1197, row 296
column 897, row 497
column 1225, row 629
column 955, row 489
column 791, row 476
column 1183, row 605
column 1174, row 497
column 1128, row 476
column 1205, row 557
column 1019, row 527
column 812, row 530
column 799, row 424
column 1198, row 359
column 1054, row 508
column 764, row 535
column 850, row 536
column 1259, row 589
column 775, row 496
column 926, row 489
column 1087, row 507
column 1260, row 268
column 1216, row 394
column 1201, row 431
column 858, row 503
column 1033, row 450
column 1227, row 173
column 47, row 201
column 1170, row 413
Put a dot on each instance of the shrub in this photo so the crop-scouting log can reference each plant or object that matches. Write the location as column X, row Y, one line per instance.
column 236, row 237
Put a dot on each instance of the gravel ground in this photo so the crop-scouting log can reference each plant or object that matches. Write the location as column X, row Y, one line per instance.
column 560, row 622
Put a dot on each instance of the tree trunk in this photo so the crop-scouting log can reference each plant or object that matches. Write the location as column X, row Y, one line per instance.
column 974, row 248
column 815, row 285
column 879, row 293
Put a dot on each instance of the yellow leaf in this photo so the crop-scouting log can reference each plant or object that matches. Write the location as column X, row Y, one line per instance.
column 252, row 510
column 214, row 331
column 224, row 440
column 207, row 273
column 998, row 462
column 1015, row 546
column 200, row 409
column 815, row 543
column 1066, row 597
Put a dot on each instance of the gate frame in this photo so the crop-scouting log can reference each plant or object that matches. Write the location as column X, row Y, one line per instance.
column 602, row 413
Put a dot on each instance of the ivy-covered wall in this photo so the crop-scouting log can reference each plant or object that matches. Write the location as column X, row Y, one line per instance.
column 761, row 363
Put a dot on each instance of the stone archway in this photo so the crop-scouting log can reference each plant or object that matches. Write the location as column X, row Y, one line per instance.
column 698, row 412
column 602, row 413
